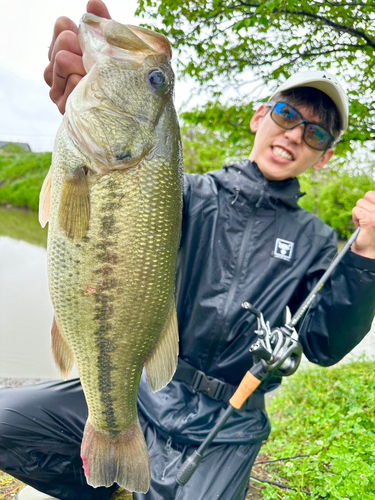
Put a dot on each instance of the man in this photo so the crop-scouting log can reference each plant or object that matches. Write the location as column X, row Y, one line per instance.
column 244, row 238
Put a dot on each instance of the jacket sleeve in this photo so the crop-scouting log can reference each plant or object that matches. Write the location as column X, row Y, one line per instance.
column 343, row 310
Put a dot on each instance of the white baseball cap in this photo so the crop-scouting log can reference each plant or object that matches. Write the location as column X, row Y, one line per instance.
column 325, row 82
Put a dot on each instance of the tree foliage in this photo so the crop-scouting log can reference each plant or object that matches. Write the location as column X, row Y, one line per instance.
column 206, row 149
column 223, row 44
column 333, row 197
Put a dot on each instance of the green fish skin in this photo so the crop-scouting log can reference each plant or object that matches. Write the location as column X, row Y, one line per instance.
column 113, row 199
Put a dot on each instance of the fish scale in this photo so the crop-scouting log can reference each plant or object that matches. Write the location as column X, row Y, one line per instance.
column 115, row 198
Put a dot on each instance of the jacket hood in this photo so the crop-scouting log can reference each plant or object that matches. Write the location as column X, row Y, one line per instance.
column 249, row 181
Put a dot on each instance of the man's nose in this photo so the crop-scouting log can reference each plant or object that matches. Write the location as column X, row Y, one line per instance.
column 295, row 134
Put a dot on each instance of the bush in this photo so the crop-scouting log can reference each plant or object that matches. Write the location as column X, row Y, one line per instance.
column 334, row 200
column 205, row 150
column 21, row 178
column 12, row 148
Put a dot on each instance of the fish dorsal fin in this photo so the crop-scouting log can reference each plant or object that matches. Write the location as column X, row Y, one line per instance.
column 74, row 210
column 61, row 352
column 161, row 366
column 45, row 199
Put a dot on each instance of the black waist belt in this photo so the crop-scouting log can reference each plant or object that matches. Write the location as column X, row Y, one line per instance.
column 214, row 387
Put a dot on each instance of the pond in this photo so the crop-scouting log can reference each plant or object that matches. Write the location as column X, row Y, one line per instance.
column 25, row 307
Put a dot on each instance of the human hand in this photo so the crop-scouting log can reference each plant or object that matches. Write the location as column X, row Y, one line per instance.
column 66, row 69
column 364, row 216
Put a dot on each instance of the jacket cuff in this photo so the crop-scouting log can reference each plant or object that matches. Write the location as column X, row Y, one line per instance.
column 354, row 260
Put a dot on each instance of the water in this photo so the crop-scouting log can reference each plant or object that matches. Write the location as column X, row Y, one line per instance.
column 26, row 311
column 25, row 308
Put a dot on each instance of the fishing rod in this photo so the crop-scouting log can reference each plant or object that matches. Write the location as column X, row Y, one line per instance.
column 279, row 353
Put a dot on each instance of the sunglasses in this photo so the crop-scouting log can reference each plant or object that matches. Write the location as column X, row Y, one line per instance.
column 288, row 118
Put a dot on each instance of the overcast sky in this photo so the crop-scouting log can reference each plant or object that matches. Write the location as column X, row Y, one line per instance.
column 26, row 112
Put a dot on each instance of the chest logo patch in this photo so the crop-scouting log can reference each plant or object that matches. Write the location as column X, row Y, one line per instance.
column 283, row 249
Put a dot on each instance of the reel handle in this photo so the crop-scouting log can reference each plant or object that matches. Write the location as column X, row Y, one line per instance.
column 251, row 308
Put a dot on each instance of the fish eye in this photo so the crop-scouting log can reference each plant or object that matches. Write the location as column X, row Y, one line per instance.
column 157, row 80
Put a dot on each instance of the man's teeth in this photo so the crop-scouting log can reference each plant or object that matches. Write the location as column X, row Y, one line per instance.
column 282, row 153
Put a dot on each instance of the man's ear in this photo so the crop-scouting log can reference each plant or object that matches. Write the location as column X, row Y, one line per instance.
column 324, row 159
column 257, row 118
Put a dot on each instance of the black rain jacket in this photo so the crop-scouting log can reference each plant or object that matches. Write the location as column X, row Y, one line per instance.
column 245, row 238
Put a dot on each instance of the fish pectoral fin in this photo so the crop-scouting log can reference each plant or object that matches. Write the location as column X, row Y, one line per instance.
column 45, row 199
column 74, row 212
column 161, row 366
column 61, row 352
column 121, row 458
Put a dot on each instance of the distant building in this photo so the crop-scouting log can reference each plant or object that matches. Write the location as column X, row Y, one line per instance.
column 23, row 145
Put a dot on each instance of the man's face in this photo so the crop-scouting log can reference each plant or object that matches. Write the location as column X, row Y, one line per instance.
column 281, row 154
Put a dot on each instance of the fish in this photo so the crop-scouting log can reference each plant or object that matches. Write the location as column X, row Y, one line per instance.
column 113, row 202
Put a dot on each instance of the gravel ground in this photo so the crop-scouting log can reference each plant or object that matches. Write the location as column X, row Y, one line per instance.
column 17, row 382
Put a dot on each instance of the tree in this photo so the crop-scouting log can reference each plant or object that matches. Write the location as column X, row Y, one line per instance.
column 332, row 198
column 223, row 44
column 205, row 149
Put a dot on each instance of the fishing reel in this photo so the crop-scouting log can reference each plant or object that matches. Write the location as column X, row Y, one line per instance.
column 279, row 350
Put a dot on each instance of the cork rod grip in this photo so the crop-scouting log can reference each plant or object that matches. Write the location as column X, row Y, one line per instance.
column 248, row 385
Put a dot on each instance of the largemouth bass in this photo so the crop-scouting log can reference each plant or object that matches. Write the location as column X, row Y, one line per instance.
column 113, row 199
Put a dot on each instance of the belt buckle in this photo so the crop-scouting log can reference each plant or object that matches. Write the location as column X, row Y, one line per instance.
column 197, row 379
column 210, row 386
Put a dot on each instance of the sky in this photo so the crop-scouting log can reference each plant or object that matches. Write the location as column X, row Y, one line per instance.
column 26, row 112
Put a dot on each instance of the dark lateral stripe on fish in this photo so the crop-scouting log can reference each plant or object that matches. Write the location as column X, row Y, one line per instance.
column 104, row 315
column 105, row 382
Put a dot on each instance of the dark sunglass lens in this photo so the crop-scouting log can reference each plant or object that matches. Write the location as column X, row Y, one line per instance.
column 285, row 116
column 316, row 137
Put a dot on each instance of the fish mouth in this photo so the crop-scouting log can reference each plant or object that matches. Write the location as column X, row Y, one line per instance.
column 128, row 43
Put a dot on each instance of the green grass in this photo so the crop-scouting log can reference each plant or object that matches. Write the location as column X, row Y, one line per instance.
column 322, row 443
column 21, row 178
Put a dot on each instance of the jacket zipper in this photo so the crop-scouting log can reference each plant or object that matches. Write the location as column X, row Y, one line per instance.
column 233, row 286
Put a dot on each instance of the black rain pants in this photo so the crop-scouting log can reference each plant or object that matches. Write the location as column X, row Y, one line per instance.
column 41, row 428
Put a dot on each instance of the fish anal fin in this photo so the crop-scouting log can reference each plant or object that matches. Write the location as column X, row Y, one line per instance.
column 61, row 352
column 45, row 199
column 121, row 458
column 161, row 366
column 74, row 210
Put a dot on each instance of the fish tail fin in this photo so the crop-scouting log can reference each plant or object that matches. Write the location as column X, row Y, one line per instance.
column 61, row 352
column 161, row 366
column 121, row 458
